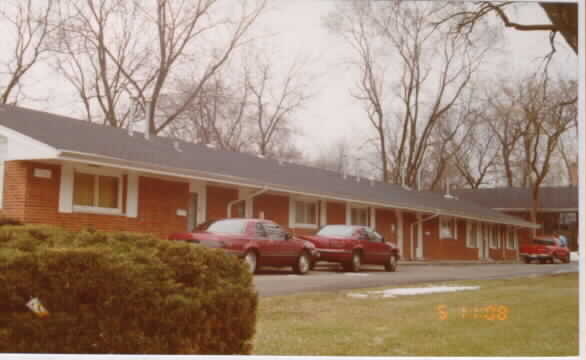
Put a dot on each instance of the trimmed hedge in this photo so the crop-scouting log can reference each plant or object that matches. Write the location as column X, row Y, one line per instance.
column 121, row 293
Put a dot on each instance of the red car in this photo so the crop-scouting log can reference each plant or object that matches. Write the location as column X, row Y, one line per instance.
column 258, row 242
column 545, row 249
column 353, row 246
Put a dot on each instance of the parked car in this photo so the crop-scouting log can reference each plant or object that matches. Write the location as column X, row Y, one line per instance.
column 545, row 249
column 259, row 242
column 353, row 246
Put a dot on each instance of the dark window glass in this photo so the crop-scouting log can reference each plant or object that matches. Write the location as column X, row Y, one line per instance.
column 274, row 231
column 260, row 231
column 544, row 242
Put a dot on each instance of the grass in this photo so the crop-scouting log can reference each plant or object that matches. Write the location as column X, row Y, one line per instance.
column 542, row 321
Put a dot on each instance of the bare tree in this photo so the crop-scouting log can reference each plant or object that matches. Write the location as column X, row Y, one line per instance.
column 217, row 116
column 273, row 102
column 334, row 157
column 30, row 26
column 563, row 17
column 125, row 56
column 433, row 71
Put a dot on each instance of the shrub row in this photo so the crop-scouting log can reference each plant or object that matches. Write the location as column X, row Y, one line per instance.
column 122, row 293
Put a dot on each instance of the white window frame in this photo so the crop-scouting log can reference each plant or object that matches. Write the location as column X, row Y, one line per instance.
column 453, row 225
column 293, row 212
column 469, row 231
column 493, row 237
column 350, row 207
column 99, row 172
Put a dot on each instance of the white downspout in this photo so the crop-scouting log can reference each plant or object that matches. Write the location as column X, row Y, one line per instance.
column 249, row 197
column 417, row 223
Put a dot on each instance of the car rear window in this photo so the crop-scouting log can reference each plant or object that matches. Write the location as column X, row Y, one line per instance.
column 544, row 242
column 229, row 226
column 336, row 231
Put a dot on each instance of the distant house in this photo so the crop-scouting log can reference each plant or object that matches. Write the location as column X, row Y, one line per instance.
column 558, row 206
column 71, row 173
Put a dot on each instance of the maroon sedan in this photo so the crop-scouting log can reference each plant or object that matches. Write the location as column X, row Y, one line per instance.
column 258, row 242
column 353, row 246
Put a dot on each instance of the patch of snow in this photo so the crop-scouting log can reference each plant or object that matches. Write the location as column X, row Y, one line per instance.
column 391, row 293
column 358, row 296
column 574, row 256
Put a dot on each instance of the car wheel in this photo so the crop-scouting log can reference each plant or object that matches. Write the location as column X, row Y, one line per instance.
column 566, row 259
column 549, row 260
column 250, row 260
column 391, row 264
column 354, row 264
column 527, row 260
column 542, row 261
column 303, row 264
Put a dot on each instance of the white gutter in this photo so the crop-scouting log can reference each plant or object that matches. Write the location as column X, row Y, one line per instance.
column 237, row 181
column 418, row 223
column 249, row 197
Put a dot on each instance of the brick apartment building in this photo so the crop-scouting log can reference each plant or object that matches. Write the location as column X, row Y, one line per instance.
column 74, row 174
column 558, row 207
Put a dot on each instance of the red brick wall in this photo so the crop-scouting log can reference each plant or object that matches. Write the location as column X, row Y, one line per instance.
column 15, row 178
column 218, row 199
column 447, row 249
column 275, row 208
column 37, row 199
column 384, row 218
column 336, row 213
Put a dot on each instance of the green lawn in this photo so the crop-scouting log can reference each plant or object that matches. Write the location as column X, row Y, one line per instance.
column 542, row 319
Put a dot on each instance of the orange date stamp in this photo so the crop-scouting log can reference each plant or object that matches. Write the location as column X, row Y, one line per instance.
column 489, row 312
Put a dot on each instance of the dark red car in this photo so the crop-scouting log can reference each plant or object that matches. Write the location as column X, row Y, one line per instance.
column 544, row 249
column 258, row 242
column 353, row 246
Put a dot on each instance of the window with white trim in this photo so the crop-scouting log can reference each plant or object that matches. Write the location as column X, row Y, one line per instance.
column 494, row 237
column 511, row 237
column 305, row 213
column 472, row 236
column 94, row 192
column 447, row 227
column 359, row 216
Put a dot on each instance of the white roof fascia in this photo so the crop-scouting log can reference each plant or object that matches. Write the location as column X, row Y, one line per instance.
column 23, row 147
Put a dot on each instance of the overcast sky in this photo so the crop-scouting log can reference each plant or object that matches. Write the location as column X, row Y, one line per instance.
column 332, row 114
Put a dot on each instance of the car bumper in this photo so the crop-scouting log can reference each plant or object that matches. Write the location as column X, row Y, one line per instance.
column 536, row 256
column 334, row 255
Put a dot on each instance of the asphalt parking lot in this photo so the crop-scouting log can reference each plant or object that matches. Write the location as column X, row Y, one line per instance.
column 330, row 278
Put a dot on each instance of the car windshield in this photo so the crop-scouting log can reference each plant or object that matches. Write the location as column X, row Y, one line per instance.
column 229, row 226
column 336, row 231
column 544, row 242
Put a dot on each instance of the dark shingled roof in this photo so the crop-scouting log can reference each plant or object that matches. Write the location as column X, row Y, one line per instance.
column 71, row 135
column 554, row 197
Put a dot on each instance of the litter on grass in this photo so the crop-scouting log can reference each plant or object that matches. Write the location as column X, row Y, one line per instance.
column 391, row 293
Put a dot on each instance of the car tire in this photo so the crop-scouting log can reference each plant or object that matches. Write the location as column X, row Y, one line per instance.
column 527, row 260
column 251, row 259
column 355, row 263
column 391, row 264
column 303, row 264
column 312, row 265
column 566, row 259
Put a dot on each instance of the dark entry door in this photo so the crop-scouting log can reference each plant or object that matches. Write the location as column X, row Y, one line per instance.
column 192, row 213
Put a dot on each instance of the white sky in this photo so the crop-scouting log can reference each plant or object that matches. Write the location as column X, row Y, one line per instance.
column 332, row 113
